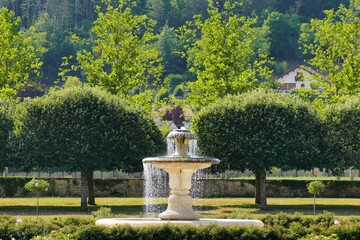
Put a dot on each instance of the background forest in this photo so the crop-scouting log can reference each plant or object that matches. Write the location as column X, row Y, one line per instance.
column 51, row 24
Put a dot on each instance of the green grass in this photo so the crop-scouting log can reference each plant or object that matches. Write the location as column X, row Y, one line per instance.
column 245, row 207
column 309, row 178
column 209, row 207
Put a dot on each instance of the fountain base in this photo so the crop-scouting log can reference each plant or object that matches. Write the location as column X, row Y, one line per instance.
column 146, row 222
column 179, row 208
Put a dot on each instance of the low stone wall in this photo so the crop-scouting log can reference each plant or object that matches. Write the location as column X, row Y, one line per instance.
column 70, row 187
column 279, row 188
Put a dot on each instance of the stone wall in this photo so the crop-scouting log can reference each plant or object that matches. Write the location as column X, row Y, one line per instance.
column 70, row 187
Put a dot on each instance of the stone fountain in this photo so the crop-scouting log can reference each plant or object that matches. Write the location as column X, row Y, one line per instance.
column 180, row 166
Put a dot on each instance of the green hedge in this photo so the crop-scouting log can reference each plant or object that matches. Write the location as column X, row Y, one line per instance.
column 14, row 186
column 9, row 186
column 281, row 227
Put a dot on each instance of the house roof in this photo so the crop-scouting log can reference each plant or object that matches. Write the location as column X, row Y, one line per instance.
column 304, row 68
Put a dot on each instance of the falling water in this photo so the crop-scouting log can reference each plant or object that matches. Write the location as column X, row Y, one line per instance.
column 156, row 183
column 155, row 188
column 170, row 147
column 197, row 185
column 192, row 147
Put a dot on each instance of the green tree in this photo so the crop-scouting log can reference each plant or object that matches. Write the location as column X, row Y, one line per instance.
column 223, row 59
column 6, row 126
column 334, row 43
column 343, row 134
column 38, row 186
column 160, row 11
column 84, row 129
column 315, row 187
column 167, row 45
column 284, row 34
column 18, row 61
column 37, row 33
column 259, row 130
column 184, row 10
column 124, row 57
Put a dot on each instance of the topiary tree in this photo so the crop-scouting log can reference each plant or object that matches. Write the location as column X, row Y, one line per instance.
column 257, row 131
column 37, row 186
column 315, row 187
column 84, row 129
column 342, row 122
column 6, row 126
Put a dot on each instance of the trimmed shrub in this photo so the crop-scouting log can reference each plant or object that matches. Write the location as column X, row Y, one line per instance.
column 277, row 227
column 93, row 233
column 343, row 134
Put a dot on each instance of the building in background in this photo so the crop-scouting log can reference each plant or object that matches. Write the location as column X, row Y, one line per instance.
column 298, row 77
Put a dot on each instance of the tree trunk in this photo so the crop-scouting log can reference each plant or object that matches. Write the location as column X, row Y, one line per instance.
column 260, row 188
column 84, row 189
column 257, row 188
column 90, row 181
column 314, row 211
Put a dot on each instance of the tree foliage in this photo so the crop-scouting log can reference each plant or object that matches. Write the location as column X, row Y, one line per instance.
column 284, row 34
column 343, row 134
column 316, row 187
column 334, row 44
column 224, row 58
column 260, row 130
column 84, row 129
column 168, row 44
column 67, row 17
column 37, row 185
column 6, row 126
column 18, row 61
column 123, row 57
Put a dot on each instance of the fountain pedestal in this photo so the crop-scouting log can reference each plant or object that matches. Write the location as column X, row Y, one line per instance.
column 180, row 173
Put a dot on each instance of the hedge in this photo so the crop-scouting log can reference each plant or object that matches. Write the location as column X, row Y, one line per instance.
column 281, row 227
column 69, row 187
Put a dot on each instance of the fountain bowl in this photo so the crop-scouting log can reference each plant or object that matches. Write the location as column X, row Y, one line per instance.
column 195, row 162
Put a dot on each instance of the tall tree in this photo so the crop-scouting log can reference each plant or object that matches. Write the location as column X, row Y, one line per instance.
column 284, row 34
column 342, row 134
column 160, row 11
column 224, row 59
column 334, row 45
column 259, row 130
column 6, row 126
column 123, row 57
column 18, row 61
column 168, row 44
column 83, row 129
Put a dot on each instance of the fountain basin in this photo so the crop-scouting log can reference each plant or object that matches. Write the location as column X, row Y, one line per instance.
column 181, row 163
column 145, row 222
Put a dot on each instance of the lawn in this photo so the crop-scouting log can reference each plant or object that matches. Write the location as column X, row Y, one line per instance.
column 209, row 207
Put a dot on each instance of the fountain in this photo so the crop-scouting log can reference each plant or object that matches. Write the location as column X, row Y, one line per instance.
column 180, row 166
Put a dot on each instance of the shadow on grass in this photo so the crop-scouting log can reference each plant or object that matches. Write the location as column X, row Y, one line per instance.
column 307, row 209
column 341, row 210
column 138, row 210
